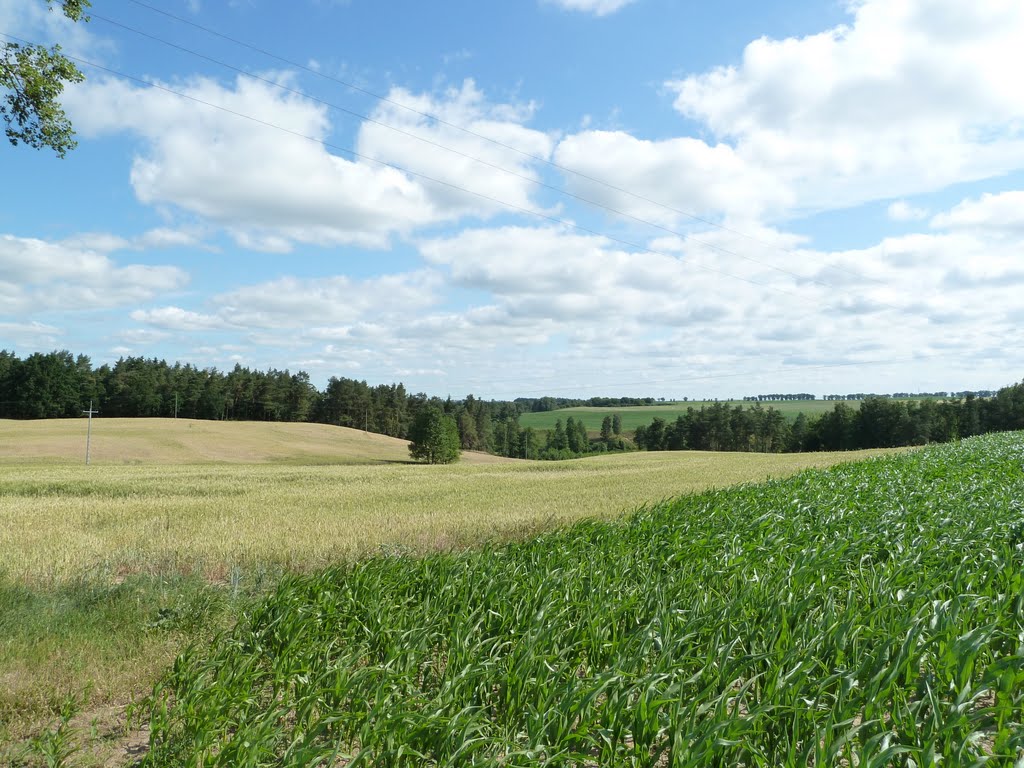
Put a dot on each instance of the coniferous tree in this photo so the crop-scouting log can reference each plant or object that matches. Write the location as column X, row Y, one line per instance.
column 582, row 439
column 572, row 435
column 557, row 438
column 468, row 437
column 798, row 434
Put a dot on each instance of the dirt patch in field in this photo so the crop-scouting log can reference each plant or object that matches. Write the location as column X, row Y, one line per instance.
column 111, row 739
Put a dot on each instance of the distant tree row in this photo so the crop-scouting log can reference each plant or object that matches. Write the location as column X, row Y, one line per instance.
column 777, row 398
column 718, row 427
column 887, row 423
column 880, row 422
column 865, row 395
column 914, row 395
column 567, row 440
column 59, row 384
column 543, row 404
column 512, row 440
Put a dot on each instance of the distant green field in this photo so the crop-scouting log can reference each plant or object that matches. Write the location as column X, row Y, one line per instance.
column 634, row 416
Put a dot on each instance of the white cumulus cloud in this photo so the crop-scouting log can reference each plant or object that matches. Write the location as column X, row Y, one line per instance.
column 272, row 188
column 596, row 7
column 1002, row 212
column 901, row 210
column 907, row 98
column 495, row 134
column 36, row 275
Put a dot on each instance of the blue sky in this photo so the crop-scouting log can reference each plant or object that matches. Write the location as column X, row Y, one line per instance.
column 569, row 197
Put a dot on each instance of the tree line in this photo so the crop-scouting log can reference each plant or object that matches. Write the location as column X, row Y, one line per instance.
column 880, row 422
column 914, row 395
column 866, row 395
column 544, row 404
column 780, row 397
column 60, row 385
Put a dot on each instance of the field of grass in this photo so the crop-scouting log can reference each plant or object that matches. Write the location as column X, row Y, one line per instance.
column 635, row 416
column 100, row 643
column 867, row 615
column 107, row 571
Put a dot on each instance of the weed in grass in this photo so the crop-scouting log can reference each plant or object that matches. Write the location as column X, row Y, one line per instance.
column 110, row 640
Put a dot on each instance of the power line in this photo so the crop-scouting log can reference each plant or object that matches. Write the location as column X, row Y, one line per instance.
column 467, row 156
column 423, row 176
column 476, row 134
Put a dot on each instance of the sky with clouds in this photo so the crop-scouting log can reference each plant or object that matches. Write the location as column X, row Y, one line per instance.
column 526, row 197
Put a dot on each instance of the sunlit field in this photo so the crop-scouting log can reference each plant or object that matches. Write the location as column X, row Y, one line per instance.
column 870, row 615
column 637, row 415
column 107, row 571
column 190, row 441
column 60, row 521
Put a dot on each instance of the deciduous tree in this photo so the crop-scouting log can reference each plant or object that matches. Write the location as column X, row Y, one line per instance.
column 434, row 437
column 33, row 77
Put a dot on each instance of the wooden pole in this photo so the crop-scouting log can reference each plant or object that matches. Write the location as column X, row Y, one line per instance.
column 88, row 433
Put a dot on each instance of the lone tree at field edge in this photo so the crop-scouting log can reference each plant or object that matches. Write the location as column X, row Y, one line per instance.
column 434, row 437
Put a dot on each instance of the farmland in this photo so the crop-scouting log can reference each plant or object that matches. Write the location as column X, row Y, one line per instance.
column 637, row 415
column 109, row 570
column 195, row 441
column 58, row 521
column 865, row 615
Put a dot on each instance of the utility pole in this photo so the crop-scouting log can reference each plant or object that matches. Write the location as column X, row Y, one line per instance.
column 88, row 434
column 175, row 405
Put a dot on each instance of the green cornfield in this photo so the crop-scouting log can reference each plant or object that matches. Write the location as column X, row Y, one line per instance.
column 867, row 615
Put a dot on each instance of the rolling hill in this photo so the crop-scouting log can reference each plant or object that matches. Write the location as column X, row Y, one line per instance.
column 187, row 441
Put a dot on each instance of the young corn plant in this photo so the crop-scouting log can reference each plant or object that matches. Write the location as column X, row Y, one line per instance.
column 869, row 615
column 56, row 746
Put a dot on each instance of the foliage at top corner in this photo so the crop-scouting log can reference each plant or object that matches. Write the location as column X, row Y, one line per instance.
column 33, row 77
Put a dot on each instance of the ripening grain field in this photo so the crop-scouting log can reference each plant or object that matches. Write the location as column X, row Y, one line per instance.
column 871, row 614
column 107, row 571
column 58, row 522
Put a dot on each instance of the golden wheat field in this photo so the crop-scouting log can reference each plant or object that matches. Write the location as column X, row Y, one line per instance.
column 90, row 556
column 190, row 441
column 209, row 497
